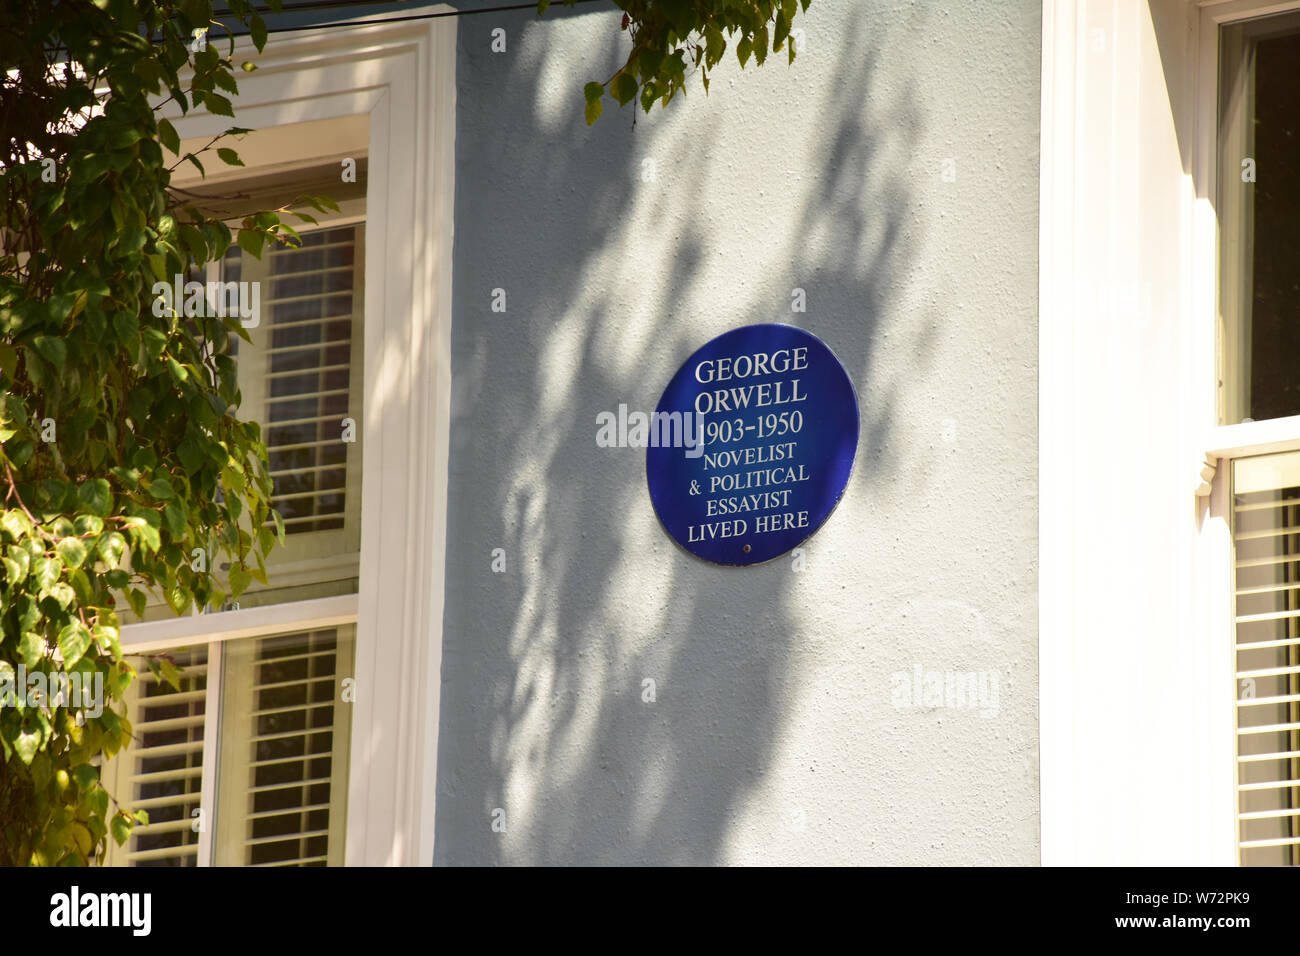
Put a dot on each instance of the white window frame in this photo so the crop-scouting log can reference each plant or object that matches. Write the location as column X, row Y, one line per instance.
column 1223, row 443
column 1136, row 705
column 198, row 629
column 403, row 75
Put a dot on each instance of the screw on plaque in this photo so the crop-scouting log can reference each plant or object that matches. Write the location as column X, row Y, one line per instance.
column 747, row 549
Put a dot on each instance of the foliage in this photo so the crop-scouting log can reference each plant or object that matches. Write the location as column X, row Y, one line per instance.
column 123, row 467
column 671, row 38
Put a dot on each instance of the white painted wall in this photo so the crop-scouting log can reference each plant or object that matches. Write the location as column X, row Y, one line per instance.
column 1135, row 637
column 775, row 736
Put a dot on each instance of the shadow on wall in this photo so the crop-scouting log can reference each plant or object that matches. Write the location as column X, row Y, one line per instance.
column 550, row 751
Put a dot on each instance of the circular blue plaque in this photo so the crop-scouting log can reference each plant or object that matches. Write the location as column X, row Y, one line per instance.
column 752, row 444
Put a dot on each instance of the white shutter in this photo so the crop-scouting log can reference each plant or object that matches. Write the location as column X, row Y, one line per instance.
column 284, row 746
column 302, row 377
column 1266, row 546
column 161, row 771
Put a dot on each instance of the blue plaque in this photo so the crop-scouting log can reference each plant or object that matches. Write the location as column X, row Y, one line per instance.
column 752, row 444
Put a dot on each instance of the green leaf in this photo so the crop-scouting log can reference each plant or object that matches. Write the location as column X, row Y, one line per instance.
column 72, row 551
column 168, row 136
column 169, row 673
column 111, row 547
column 8, row 359
column 624, row 88
column 63, row 594
column 45, row 571
column 73, row 641
column 88, row 525
column 715, row 45
column 240, row 579
column 20, row 452
column 780, row 32
column 319, row 203
column 229, row 157
column 96, row 497
column 108, row 639
column 120, row 677
column 743, row 49
column 174, row 520
column 27, row 743
column 85, row 776
column 191, row 454
column 251, row 242
column 41, row 769
column 178, row 598
column 760, row 45
column 120, row 827
column 16, row 523
column 146, row 526
column 31, row 647
column 97, row 801
column 593, row 91
column 127, row 476
column 225, row 81
column 161, row 489
column 593, row 111
column 217, row 104
column 80, row 582
column 60, row 306
column 257, row 30
column 52, row 350
column 149, row 535
column 22, row 563
column 126, row 326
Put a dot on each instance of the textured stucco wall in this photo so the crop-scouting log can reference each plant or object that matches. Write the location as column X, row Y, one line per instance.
column 776, row 735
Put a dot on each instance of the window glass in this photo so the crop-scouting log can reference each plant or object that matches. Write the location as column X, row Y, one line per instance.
column 284, row 745
column 1259, row 220
column 282, row 726
column 161, row 771
column 300, row 377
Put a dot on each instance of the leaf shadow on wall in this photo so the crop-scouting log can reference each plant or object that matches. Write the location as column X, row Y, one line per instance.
column 543, row 711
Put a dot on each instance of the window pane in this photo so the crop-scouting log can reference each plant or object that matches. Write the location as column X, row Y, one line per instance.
column 161, row 771
column 300, row 376
column 1259, row 219
column 1266, row 536
column 284, row 740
